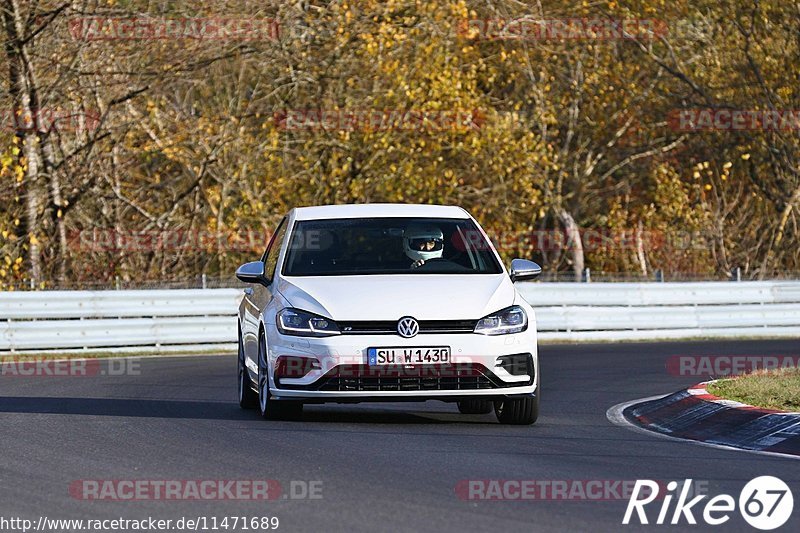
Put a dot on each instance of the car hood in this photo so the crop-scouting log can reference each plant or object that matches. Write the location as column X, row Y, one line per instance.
column 390, row 297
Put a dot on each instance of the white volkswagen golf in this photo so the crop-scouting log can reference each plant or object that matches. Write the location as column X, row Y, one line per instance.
column 386, row 302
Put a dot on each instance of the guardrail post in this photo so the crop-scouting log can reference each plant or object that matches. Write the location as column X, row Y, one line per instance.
column 660, row 276
column 204, row 281
column 116, row 282
column 736, row 274
column 587, row 276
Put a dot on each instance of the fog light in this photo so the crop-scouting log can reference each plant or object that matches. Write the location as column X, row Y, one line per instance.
column 520, row 364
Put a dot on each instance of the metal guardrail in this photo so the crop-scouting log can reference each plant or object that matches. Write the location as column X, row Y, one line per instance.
column 162, row 320
column 649, row 311
column 197, row 319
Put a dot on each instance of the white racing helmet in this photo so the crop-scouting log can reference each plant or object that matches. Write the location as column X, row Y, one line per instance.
column 416, row 235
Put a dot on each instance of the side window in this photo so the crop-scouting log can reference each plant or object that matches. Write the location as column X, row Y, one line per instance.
column 274, row 250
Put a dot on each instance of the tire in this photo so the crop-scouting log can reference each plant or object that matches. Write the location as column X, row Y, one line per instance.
column 523, row 412
column 270, row 408
column 475, row 407
column 248, row 398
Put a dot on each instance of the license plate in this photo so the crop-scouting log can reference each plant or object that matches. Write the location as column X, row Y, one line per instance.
column 408, row 356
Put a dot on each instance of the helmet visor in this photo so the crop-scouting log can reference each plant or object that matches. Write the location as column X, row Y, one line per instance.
column 426, row 244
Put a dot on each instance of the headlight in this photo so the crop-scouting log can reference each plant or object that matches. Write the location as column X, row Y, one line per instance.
column 510, row 320
column 304, row 324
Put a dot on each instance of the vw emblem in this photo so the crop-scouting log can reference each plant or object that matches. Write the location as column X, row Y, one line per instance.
column 407, row 327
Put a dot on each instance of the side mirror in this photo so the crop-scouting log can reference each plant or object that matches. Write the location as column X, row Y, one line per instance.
column 252, row 273
column 522, row 269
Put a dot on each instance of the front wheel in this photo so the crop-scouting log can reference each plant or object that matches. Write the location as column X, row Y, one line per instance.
column 248, row 398
column 270, row 408
column 522, row 412
column 474, row 407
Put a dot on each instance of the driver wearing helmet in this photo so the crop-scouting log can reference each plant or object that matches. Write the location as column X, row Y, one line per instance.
column 423, row 242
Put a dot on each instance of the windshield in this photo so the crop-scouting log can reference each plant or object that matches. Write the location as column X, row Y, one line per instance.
column 340, row 247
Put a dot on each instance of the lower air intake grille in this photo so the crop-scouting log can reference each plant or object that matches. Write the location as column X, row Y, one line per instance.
column 363, row 378
column 406, row 384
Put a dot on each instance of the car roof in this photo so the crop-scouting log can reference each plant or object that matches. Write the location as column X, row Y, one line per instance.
column 379, row 211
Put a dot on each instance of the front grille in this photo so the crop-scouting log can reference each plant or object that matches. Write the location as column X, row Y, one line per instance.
column 363, row 378
column 389, row 327
column 406, row 384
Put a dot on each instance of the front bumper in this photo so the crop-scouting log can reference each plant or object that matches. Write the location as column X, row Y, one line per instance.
column 341, row 372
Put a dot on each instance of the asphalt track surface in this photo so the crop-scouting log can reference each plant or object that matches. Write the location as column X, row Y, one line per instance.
column 383, row 467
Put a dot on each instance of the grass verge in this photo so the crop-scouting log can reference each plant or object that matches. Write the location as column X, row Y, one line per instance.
column 774, row 389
